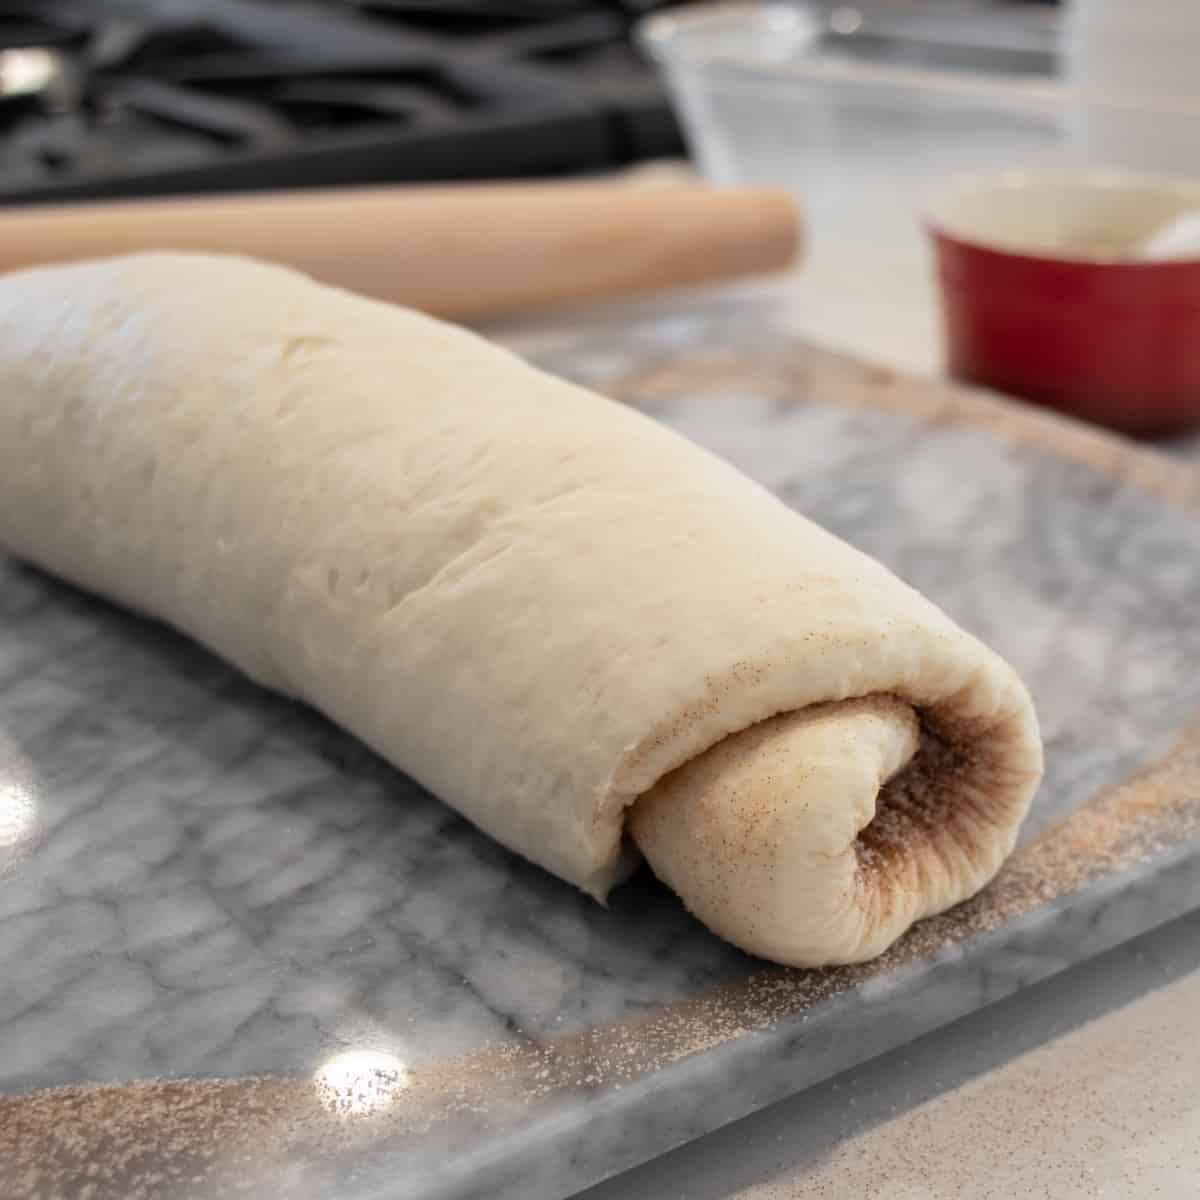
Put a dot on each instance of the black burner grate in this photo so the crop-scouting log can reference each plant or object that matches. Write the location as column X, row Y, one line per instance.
column 136, row 97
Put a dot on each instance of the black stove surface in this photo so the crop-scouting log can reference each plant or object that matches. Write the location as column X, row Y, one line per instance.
column 141, row 97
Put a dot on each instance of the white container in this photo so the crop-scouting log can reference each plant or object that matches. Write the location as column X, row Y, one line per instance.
column 1134, row 75
column 1136, row 16
column 1145, row 135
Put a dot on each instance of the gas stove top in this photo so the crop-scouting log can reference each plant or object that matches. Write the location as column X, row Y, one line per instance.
column 142, row 97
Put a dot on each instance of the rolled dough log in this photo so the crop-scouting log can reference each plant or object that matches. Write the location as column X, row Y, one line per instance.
column 559, row 616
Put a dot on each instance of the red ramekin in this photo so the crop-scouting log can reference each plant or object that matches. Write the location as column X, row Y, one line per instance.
column 1109, row 339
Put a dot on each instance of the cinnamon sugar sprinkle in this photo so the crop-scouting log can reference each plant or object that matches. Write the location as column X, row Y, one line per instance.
column 230, row 1137
column 791, row 373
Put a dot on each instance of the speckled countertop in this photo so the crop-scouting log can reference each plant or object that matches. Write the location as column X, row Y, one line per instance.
column 1080, row 1088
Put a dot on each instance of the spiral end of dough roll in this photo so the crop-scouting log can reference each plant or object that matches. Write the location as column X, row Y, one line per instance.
column 819, row 836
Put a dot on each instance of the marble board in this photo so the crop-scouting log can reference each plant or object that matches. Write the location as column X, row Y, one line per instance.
column 241, row 955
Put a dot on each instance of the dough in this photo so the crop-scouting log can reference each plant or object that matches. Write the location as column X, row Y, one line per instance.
column 559, row 616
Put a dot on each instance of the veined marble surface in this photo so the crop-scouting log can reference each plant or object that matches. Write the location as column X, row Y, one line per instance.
column 360, row 996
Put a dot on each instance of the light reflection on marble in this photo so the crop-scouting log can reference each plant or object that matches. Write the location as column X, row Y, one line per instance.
column 360, row 1082
column 19, row 808
column 207, row 880
column 18, row 813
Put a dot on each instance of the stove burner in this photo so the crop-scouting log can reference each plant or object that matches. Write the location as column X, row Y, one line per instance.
column 129, row 97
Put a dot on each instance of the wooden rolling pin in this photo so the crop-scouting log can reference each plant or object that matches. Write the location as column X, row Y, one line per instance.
column 460, row 252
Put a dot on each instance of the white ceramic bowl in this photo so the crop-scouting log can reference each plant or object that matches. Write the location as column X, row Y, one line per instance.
column 1096, row 216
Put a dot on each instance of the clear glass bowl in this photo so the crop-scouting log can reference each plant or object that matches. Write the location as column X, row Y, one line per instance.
column 858, row 125
column 775, row 92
